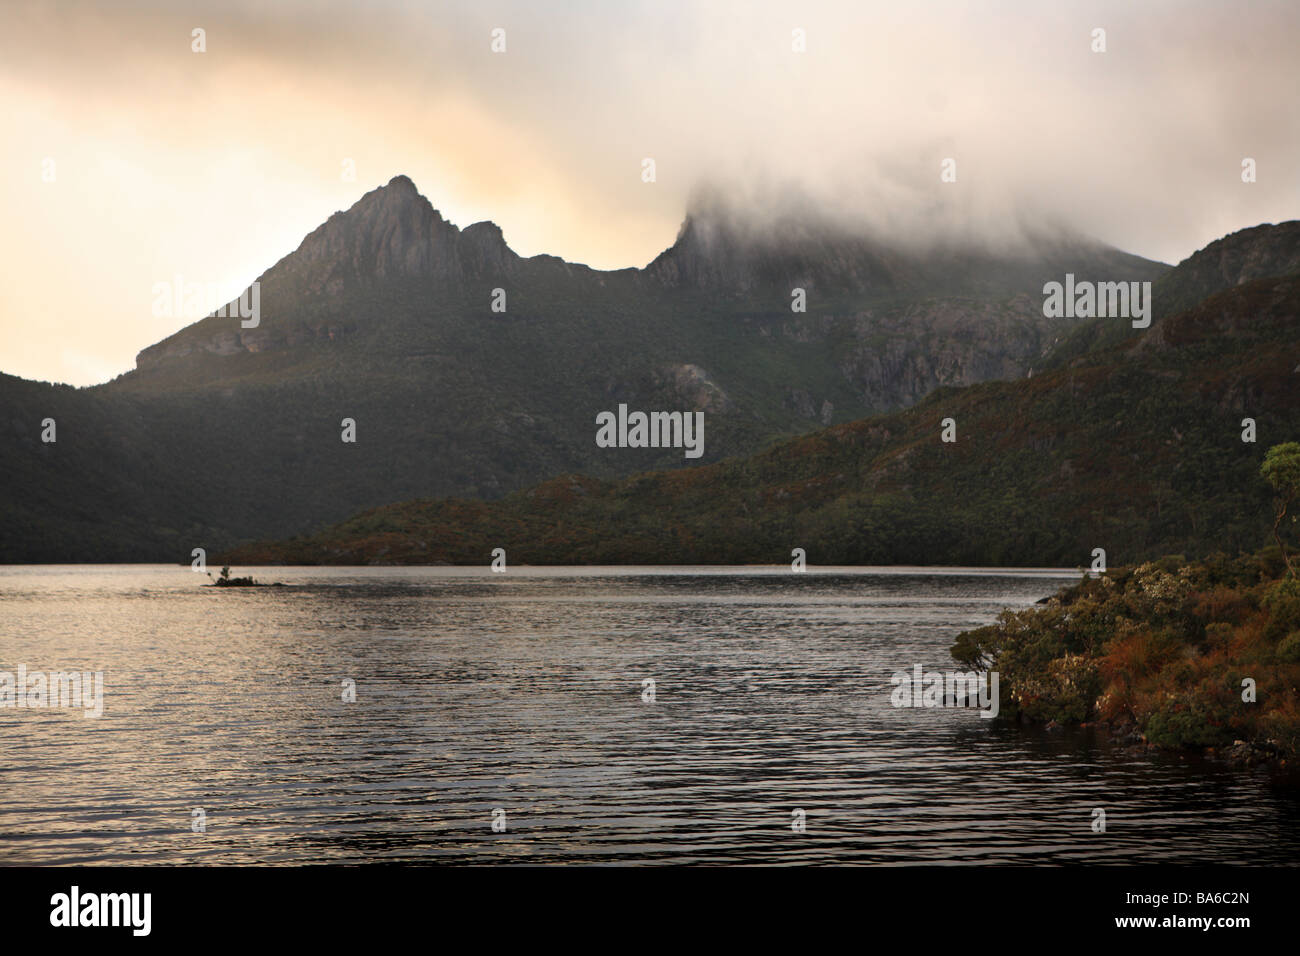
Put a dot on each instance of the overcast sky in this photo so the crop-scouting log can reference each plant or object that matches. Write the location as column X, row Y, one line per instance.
column 214, row 165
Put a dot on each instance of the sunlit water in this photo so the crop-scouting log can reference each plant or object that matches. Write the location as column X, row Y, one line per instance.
column 523, row 692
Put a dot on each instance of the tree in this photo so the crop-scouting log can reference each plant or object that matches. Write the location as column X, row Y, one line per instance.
column 1281, row 469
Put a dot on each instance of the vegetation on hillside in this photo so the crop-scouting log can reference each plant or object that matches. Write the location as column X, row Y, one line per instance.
column 1281, row 469
column 1137, row 449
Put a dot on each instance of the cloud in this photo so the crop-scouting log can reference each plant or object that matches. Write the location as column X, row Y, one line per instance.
column 215, row 165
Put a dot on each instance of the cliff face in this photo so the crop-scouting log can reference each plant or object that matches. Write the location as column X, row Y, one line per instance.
column 894, row 356
column 391, row 231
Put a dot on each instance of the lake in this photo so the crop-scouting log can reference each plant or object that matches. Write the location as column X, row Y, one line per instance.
column 517, row 698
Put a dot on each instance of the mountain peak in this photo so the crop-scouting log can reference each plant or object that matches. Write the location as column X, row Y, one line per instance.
column 393, row 232
column 398, row 192
column 390, row 231
column 483, row 251
column 402, row 183
column 776, row 237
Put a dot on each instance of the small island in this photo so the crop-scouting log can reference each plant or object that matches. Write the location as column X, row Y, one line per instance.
column 226, row 581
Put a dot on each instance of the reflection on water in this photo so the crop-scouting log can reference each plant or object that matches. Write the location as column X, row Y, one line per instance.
column 522, row 691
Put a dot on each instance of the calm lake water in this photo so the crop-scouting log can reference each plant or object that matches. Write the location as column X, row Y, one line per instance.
column 523, row 692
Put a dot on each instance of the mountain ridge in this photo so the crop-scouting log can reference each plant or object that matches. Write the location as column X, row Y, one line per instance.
column 212, row 443
column 1136, row 450
column 393, row 232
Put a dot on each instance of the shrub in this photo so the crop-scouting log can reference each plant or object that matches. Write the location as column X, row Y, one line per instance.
column 1185, row 720
column 1282, row 601
column 1163, row 644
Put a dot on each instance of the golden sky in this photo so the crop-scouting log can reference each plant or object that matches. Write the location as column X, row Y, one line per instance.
column 215, row 165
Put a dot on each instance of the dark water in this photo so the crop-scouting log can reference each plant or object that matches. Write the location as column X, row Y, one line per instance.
column 523, row 692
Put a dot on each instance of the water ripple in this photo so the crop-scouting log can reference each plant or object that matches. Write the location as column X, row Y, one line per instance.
column 522, row 692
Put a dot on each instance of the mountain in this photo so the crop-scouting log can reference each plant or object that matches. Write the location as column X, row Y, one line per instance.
column 1257, row 252
column 384, row 316
column 1136, row 449
column 731, row 250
